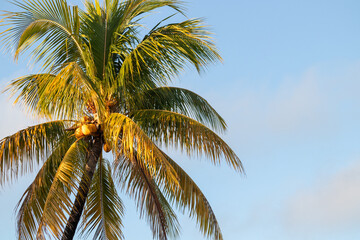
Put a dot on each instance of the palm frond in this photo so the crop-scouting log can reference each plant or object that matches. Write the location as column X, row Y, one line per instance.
column 54, row 25
column 137, row 181
column 127, row 139
column 31, row 204
column 174, row 129
column 182, row 101
column 63, row 189
column 62, row 95
column 21, row 152
column 104, row 209
column 188, row 196
column 166, row 49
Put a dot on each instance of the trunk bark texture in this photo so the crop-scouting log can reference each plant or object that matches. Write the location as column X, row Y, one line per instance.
column 94, row 153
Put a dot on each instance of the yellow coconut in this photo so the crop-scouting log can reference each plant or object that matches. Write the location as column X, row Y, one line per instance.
column 78, row 133
column 88, row 129
column 107, row 147
column 85, row 119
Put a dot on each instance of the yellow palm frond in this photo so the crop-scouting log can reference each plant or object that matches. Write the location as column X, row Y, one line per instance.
column 31, row 204
column 127, row 139
column 104, row 209
column 21, row 152
column 63, row 189
column 63, row 95
column 174, row 129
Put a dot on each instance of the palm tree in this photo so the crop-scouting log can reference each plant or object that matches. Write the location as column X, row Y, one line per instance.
column 104, row 85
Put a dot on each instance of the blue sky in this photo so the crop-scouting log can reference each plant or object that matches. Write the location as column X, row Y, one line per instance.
column 288, row 89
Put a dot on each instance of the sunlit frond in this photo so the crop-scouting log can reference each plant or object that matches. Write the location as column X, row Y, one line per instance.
column 63, row 189
column 182, row 101
column 62, row 95
column 21, row 152
column 188, row 196
column 104, row 209
column 174, row 129
column 52, row 25
column 127, row 139
column 31, row 205
column 166, row 50
column 151, row 203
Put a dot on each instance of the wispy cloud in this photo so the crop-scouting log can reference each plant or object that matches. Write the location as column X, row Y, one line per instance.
column 330, row 204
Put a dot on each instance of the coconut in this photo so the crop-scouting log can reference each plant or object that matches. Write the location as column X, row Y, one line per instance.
column 88, row 129
column 85, row 119
column 78, row 133
column 107, row 147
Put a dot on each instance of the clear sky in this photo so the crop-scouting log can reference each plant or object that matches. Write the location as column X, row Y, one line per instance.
column 289, row 91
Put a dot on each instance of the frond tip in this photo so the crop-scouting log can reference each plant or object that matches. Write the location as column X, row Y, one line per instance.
column 21, row 152
column 104, row 209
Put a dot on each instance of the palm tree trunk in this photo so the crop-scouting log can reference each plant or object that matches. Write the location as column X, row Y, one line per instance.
column 94, row 154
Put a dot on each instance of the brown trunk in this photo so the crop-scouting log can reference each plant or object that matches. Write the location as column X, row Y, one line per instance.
column 94, row 153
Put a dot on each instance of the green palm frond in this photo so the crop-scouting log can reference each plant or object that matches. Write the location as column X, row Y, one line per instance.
column 188, row 196
column 166, row 49
column 129, row 140
column 31, row 204
column 104, row 208
column 151, row 203
column 62, row 95
column 182, row 101
column 110, row 32
column 162, row 54
column 54, row 25
column 63, row 189
column 26, row 90
column 21, row 152
column 174, row 129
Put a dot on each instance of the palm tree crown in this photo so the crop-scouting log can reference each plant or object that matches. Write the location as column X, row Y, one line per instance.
column 107, row 86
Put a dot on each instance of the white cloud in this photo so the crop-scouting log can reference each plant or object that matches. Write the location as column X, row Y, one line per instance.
column 331, row 204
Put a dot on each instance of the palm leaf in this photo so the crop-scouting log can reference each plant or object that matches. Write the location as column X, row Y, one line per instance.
column 104, row 208
column 21, row 152
column 137, row 181
column 127, row 139
column 61, row 95
column 166, row 49
column 31, row 205
column 188, row 196
column 53, row 22
column 63, row 189
column 182, row 101
column 174, row 129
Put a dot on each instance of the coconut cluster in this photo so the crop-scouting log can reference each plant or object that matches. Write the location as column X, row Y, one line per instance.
column 87, row 127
